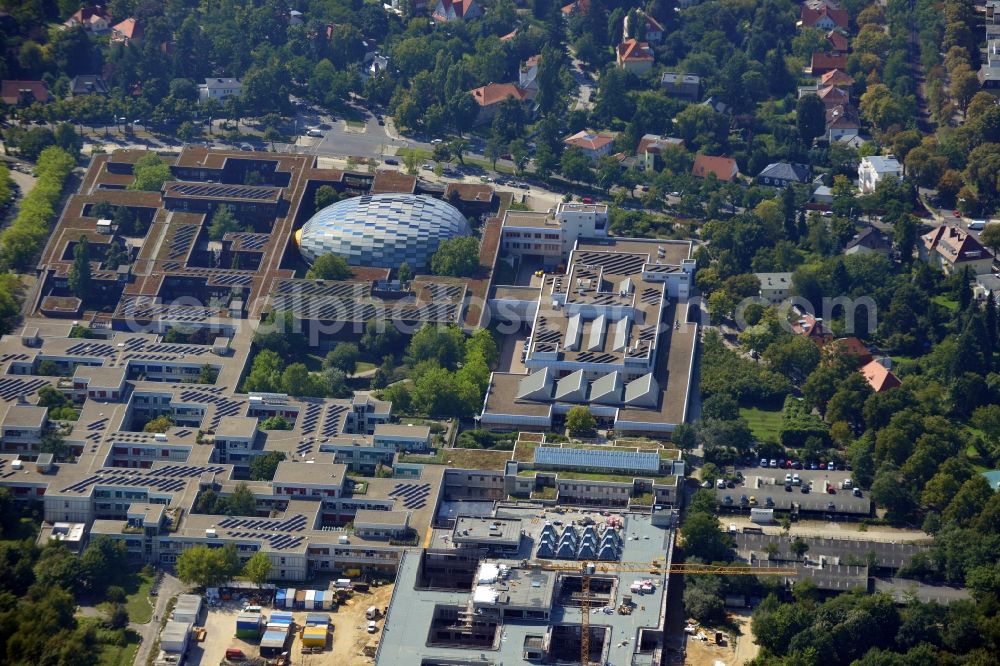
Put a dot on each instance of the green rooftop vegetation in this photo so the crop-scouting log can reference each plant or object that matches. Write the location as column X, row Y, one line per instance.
column 461, row 458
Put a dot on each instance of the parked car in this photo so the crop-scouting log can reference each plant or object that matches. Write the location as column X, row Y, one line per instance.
column 372, row 627
column 805, row 489
column 769, row 502
column 730, row 484
column 436, row 141
column 830, row 466
column 831, row 506
column 753, row 500
column 788, row 487
column 727, row 500
column 426, row 167
column 393, row 162
column 246, row 147
column 720, row 483
column 857, row 492
column 774, row 463
column 744, row 500
column 763, row 462
column 315, row 132
column 788, row 478
column 796, row 480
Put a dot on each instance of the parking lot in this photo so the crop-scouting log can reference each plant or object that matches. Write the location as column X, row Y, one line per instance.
column 782, row 489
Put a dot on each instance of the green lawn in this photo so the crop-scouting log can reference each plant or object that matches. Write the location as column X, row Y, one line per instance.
column 946, row 302
column 109, row 654
column 137, row 587
column 114, row 655
column 765, row 424
column 355, row 124
column 364, row 366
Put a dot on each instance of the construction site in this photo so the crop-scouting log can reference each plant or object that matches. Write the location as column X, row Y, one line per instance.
column 455, row 604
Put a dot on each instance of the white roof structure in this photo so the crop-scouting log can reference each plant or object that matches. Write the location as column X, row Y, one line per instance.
column 608, row 389
column 537, row 385
column 612, row 458
column 642, row 391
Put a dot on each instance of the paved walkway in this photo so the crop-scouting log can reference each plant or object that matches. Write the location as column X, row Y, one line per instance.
column 170, row 587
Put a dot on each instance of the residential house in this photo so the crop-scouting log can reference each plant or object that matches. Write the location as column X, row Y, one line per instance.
column 527, row 77
column 774, row 287
column 820, row 4
column 986, row 284
column 650, row 147
column 838, row 42
column 783, row 174
column 576, row 8
column 825, row 18
column 635, row 56
column 653, row 32
column 16, row 93
column 452, row 10
column 490, row 96
column 594, row 145
column 879, row 377
column 989, row 73
column 87, row 84
column 851, row 346
column 510, row 36
column 219, row 89
column 724, row 168
column 129, row 30
column 681, row 86
column 874, row 168
column 716, row 105
column 954, row 249
column 295, row 18
column 833, row 96
column 823, row 194
column 869, row 241
column 419, row 6
column 823, row 63
column 374, row 63
column 812, row 327
column 837, row 77
column 95, row 19
column 842, row 121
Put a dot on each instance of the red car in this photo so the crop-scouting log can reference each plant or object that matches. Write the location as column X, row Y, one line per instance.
column 588, row 200
column 956, row 213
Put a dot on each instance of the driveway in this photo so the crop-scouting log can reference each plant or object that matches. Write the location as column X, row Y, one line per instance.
column 170, row 587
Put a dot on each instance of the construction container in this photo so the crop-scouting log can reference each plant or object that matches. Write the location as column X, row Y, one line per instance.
column 279, row 598
column 300, row 599
column 273, row 643
column 310, row 600
column 352, row 573
column 290, row 597
column 281, row 617
column 188, row 608
column 174, row 638
column 343, row 583
column 317, row 619
column 314, row 636
column 249, row 625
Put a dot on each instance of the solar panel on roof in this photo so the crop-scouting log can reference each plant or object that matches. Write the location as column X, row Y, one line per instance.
column 638, row 461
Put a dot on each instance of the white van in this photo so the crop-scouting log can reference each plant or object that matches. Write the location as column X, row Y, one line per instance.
column 977, row 225
column 314, row 132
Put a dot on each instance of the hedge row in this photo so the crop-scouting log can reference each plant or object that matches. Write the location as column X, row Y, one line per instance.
column 23, row 240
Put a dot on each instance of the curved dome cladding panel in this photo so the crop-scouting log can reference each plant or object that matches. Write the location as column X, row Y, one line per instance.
column 382, row 230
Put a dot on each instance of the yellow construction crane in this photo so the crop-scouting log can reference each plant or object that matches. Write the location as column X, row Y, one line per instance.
column 588, row 568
